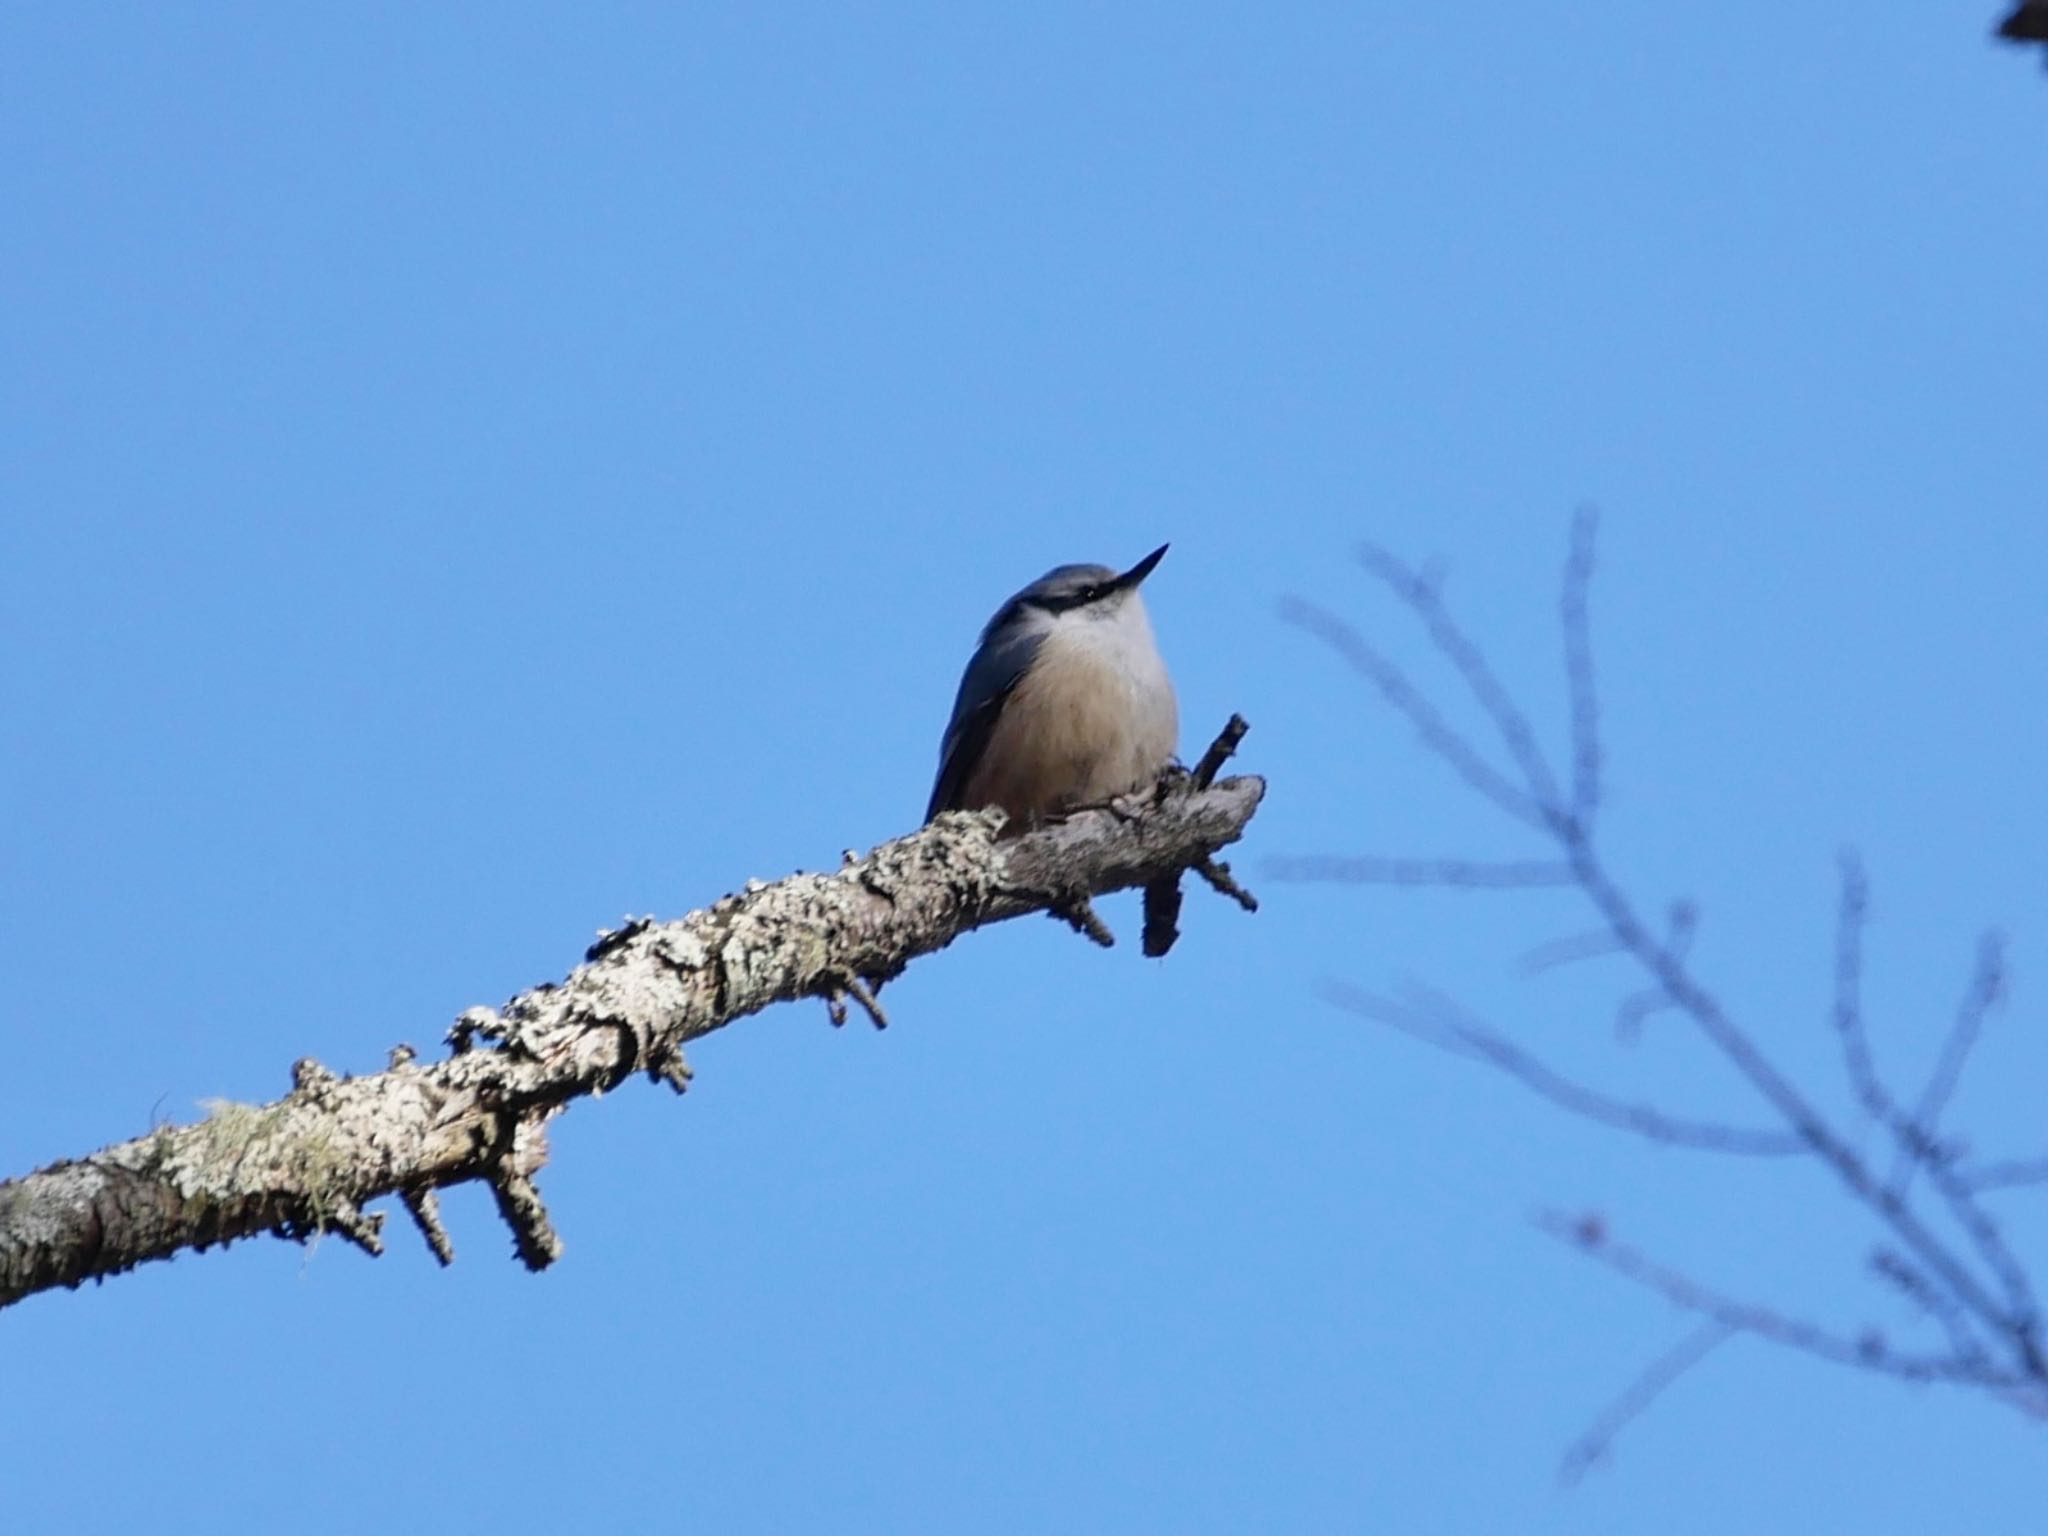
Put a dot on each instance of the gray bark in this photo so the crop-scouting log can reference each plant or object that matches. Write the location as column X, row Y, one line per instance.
column 312, row 1160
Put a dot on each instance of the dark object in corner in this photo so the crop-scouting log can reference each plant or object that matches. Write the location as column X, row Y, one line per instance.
column 2028, row 23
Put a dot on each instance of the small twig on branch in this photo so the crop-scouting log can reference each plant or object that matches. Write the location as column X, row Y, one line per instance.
column 424, row 1206
column 533, row 1236
column 2015, row 1173
column 1569, row 950
column 1455, row 874
column 1218, row 875
column 1985, row 991
column 1852, row 911
column 363, row 1228
column 1637, row 1009
column 1220, row 751
column 868, row 1001
column 1435, row 1020
column 1578, row 668
column 1408, row 700
column 1868, row 1349
column 1162, row 901
column 1162, row 917
column 1591, row 1448
column 1425, row 600
column 1913, row 1284
column 1079, row 914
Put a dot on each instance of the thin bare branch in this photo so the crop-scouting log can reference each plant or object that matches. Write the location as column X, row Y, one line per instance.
column 1456, row 874
column 1984, row 1234
column 1162, row 901
column 1637, row 1009
column 1868, row 1349
column 870, row 1004
column 1436, row 1020
column 1219, row 879
column 1079, row 914
column 1591, row 1448
column 1425, row 601
column 1733, row 1042
column 1162, row 917
column 1913, row 1283
column 1852, row 911
column 1578, row 667
column 1220, row 751
column 1683, row 921
column 2014, row 1173
column 1984, row 992
column 1977, row 1290
column 1405, row 698
column 424, row 1206
column 1569, row 950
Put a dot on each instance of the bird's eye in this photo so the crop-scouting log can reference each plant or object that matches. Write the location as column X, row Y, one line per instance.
column 1088, row 594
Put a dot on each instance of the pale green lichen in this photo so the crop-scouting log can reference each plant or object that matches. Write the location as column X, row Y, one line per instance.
column 249, row 1148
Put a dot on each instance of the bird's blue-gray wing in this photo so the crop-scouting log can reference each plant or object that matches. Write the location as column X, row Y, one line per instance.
column 998, row 666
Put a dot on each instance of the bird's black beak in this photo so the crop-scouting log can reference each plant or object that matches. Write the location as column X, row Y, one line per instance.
column 1142, row 569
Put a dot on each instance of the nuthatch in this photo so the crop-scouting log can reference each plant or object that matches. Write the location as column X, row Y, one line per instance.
column 1065, row 703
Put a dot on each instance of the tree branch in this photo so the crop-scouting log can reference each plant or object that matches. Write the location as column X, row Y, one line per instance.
column 1943, row 1250
column 310, row 1161
column 1434, row 1019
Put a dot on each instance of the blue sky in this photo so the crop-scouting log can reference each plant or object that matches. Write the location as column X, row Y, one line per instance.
column 468, row 474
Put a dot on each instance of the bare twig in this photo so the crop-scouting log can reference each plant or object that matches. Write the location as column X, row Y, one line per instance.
column 1637, row 1009
column 1394, row 686
column 1852, row 911
column 1217, row 875
column 1436, row 1020
column 1079, row 914
column 1457, row 874
column 2015, row 1173
column 1591, row 1448
column 1930, row 1298
column 858, row 990
column 1162, row 917
column 1569, row 950
column 424, row 1206
column 1425, row 600
column 1578, row 667
column 2022, row 1319
column 1220, row 751
column 1942, row 1250
column 1162, row 900
column 1868, row 1349
column 1986, row 989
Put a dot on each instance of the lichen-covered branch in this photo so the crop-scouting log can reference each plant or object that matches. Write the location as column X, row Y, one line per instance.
column 312, row 1160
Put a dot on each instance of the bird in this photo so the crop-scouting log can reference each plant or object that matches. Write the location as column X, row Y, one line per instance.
column 1064, row 704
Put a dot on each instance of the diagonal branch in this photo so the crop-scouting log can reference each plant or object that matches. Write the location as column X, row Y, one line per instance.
column 1953, row 1262
column 310, row 1161
column 1852, row 913
column 1868, row 1350
column 1435, row 1020
column 1402, row 695
column 1657, row 1378
column 1458, row 874
column 1578, row 667
column 1985, row 991
column 1426, row 602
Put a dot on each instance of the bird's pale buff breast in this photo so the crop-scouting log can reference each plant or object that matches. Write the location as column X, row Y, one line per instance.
column 1085, row 724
